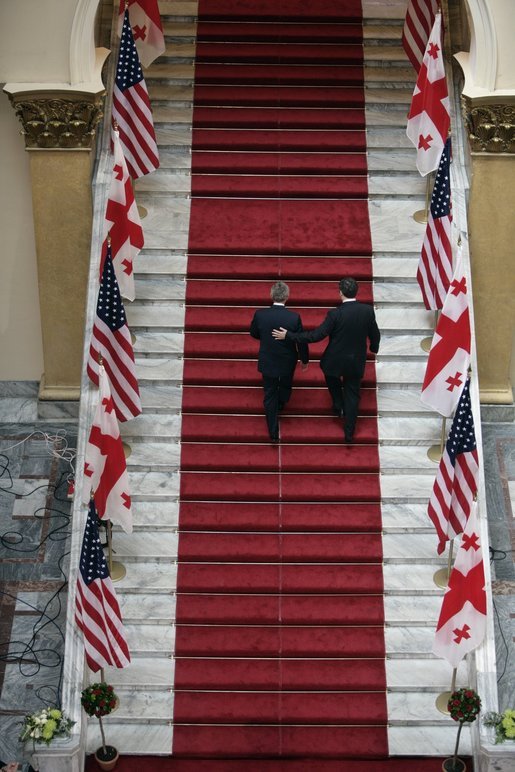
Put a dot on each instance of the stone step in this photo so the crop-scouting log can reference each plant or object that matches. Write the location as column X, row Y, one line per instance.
column 151, row 609
column 391, row 160
column 150, row 641
column 409, row 641
column 178, row 7
column 393, row 226
column 155, row 740
column 154, row 486
column 405, row 459
column 144, row 578
column 188, row 29
column 142, row 547
column 416, row 550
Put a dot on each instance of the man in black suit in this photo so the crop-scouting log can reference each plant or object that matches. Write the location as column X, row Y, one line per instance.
column 276, row 363
column 348, row 326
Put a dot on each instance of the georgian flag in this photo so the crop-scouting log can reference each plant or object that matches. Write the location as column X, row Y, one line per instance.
column 122, row 223
column 105, row 469
column 449, row 356
column 462, row 623
column 429, row 117
column 147, row 29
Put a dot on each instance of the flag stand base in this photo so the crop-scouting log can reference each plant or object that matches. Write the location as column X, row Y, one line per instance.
column 133, row 338
column 420, row 216
column 127, row 450
column 434, row 453
column 441, row 702
column 425, row 344
column 142, row 211
column 441, row 578
column 118, row 571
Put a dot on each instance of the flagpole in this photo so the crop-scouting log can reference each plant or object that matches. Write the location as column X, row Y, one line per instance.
column 425, row 343
column 441, row 577
column 435, row 452
column 443, row 698
column 421, row 214
column 116, row 569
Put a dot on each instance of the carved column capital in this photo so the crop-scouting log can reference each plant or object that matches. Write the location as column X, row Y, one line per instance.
column 490, row 125
column 57, row 120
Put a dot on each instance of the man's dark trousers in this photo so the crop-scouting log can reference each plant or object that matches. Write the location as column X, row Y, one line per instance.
column 345, row 395
column 277, row 392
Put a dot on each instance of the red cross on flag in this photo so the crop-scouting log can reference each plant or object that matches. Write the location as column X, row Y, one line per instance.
column 429, row 118
column 122, row 223
column 462, row 623
column 146, row 27
column 449, row 356
column 105, row 468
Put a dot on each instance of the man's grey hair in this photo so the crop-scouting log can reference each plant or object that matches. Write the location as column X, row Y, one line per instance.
column 279, row 292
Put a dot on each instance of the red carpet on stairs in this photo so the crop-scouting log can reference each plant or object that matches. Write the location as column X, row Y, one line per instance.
column 279, row 646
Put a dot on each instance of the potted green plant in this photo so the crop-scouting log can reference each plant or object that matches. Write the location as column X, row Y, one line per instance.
column 463, row 706
column 99, row 700
column 503, row 723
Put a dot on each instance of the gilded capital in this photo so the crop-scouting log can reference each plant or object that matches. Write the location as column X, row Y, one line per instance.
column 59, row 119
column 491, row 126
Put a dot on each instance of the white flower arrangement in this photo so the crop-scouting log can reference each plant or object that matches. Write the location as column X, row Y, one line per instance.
column 44, row 725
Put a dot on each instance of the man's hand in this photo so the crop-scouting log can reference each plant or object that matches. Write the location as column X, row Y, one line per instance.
column 280, row 334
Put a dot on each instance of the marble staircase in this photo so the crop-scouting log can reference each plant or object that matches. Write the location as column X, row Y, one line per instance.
column 406, row 428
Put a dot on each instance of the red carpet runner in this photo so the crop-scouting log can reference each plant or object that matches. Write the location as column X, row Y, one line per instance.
column 280, row 645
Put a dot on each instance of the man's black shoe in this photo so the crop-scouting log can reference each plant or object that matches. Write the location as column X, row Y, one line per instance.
column 274, row 438
column 348, row 438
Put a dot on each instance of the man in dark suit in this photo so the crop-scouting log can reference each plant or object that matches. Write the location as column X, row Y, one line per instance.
column 276, row 362
column 348, row 327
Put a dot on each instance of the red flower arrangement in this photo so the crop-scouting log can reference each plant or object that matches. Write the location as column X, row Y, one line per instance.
column 98, row 699
column 464, row 705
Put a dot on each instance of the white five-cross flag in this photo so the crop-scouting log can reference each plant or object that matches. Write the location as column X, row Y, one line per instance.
column 122, row 223
column 105, row 468
column 462, row 623
column 449, row 356
column 429, row 117
column 131, row 108
column 147, row 29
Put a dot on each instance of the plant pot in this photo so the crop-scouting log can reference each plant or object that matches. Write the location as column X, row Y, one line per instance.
column 450, row 766
column 107, row 760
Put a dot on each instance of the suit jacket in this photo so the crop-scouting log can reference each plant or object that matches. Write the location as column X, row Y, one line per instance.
column 348, row 326
column 277, row 357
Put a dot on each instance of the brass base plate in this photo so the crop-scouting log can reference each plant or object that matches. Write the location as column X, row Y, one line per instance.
column 425, row 344
column 142, row 211
column 118, row 571
column 420, row 216
column 127, row 450
column 441, row 578
column 434, row 453
column 441, row 702
column 133, row 338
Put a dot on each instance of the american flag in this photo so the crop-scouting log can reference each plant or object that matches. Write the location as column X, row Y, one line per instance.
column 429, row 115
column 146, row 28
column 420, row 16
column 449, row 357
column 122, row 223
column 435, row 266
column 97, row 612
column 111, row 342
column 457, row 479
column 131, row 108
column 105, row 468
column 462, row 623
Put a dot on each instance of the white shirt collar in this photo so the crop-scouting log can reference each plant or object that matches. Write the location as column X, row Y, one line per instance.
column 348, row 300
column 278, row 304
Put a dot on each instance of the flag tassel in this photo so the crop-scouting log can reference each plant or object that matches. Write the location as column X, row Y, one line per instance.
column 443, row 698
column 116, row 569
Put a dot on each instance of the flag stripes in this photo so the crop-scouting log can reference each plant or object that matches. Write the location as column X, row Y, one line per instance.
column 97, row 612
column 456, row 482
column 131, row 108
column 420, row 16
column 133, row 114
column 434, row 272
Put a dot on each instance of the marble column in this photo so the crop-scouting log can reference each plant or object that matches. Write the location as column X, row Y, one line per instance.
column 491, row 133
column 59, row 130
